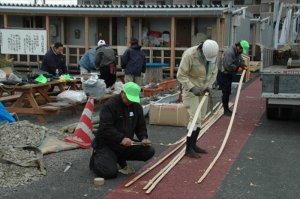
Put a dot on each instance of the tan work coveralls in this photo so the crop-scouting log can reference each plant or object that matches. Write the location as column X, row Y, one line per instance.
column 194, row 70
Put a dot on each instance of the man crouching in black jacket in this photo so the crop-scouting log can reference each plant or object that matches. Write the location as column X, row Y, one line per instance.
column 120, row 119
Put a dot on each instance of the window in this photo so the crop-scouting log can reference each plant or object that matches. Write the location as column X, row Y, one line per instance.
column 217, row 2
column 107, row 2
column 239, row 2
column 139, row 2
column 199, row 2
column 161, row 2
column 257, row 1
column 123, row 2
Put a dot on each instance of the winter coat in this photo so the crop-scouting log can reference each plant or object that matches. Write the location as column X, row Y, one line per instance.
column 53, row 61
column 118, row 121
column 230, row 61
column 87, row 61
column 194, row 70
column 134, row 61
column 104, row 56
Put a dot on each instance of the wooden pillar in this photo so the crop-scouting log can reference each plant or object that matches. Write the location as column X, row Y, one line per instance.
column 173, row 30
column 253, row 39
column 48, row 31
column 140, row 30
column 5, row 23
column 62, row 30
column 222, row 29
column 86, row 33
column 218, row 30
column 128, row 31
column 193, row 27
column 110, row 30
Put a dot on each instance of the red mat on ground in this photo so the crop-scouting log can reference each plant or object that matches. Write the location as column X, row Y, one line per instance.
column 180, row 182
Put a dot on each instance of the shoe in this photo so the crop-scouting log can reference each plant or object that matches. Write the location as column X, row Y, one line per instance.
column 194, row 137
column 189, row 151
column 199, row 150
column 127, row 170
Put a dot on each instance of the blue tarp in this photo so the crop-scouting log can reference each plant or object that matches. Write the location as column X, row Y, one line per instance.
column 4, row 115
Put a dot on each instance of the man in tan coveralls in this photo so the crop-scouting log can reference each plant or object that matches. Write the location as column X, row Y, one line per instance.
column 197, row 73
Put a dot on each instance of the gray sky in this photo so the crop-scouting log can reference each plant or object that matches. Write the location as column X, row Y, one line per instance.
column 39, row 1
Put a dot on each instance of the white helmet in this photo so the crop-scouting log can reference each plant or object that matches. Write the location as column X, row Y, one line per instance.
column 101, row 43
column 210, row 50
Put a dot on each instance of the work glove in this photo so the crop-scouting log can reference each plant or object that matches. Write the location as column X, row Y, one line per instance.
column 196, row 91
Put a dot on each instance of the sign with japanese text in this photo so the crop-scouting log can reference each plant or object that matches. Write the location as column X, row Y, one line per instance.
column 23, row 41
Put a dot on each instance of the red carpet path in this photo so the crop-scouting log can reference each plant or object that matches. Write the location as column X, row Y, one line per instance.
column 181, row 180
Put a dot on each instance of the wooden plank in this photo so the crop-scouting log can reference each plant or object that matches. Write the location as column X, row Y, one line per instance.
column 86, row 33
column 10, row 98
column 172, row 64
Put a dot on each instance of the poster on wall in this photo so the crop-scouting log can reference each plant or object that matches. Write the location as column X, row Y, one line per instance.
column 23, row 41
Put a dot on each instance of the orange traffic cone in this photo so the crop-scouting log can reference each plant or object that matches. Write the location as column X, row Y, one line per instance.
column 83, row 134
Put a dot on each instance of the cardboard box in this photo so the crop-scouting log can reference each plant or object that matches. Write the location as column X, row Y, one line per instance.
column 168, row 114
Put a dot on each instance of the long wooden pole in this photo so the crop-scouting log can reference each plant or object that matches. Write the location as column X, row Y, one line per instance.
column 163, row 172
column 227, row 132
column 197, row 114
column 177, row 158
column 180, row 142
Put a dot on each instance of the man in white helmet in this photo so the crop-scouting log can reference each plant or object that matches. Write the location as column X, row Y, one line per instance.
column 197, row 73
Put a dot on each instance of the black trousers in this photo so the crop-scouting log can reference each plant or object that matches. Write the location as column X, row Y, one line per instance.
column 224, row 81
column 104, row 161
column 108, row 78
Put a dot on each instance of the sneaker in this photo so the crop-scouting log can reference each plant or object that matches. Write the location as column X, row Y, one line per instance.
column 127, row 170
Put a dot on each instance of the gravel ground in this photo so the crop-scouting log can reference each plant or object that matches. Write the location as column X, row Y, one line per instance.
column 78, row 181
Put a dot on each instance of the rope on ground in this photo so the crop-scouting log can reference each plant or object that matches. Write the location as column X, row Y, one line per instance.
column 227, row 132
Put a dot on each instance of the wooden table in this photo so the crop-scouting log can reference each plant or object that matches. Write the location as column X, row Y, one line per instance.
column 26, row 101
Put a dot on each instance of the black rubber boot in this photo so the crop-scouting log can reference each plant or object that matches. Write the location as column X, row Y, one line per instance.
column 227, row 111
column 194, row 137
column 189, row 151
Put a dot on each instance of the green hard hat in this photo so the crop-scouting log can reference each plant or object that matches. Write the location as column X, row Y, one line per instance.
column 132, row 91
column 244, row 45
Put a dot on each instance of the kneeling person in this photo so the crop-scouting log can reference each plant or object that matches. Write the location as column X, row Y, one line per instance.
column 120, row 119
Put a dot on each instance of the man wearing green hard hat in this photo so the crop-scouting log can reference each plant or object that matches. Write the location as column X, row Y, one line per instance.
column 121, row 118
column 231, row 63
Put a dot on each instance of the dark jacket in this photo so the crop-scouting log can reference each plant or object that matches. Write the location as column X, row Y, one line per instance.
column 231, row 60
column 118, row 121
column 134, row 61
column 104, row 56
column 52, row 61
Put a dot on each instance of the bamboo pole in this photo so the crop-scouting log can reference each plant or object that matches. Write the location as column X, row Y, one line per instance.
column 157, row 177
column 197, row 114
column 166, row 170
column 153, row 166
column 227, row 132
column 180, row 142
column 177, row 158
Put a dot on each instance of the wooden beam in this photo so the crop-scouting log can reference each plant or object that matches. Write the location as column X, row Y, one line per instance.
column 172, row 64
column 5, row 24
column 110, row 31
column 129, row 33
column 86, row 33
column 140, row 30
column 218, row 29
column 62, row 30
column 48, row 31
column 222, row 29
